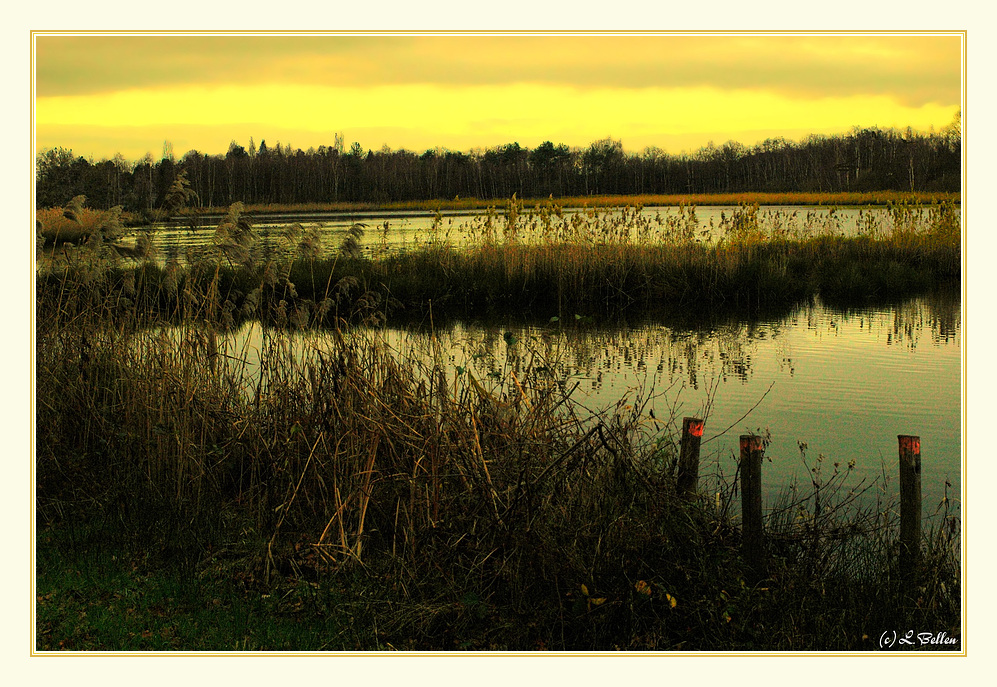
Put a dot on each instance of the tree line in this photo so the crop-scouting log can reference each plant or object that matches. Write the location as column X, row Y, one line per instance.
column 864, row 159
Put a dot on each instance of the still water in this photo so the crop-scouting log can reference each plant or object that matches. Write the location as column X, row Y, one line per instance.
column 845, row 384
column 388, row 231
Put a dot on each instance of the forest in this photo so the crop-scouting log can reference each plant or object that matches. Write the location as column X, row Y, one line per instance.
column 864, row 159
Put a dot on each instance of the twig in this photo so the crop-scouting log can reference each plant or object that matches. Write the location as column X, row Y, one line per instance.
column 734, row 424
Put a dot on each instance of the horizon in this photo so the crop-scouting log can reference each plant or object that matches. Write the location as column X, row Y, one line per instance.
column 101, row 96
column 272, row 144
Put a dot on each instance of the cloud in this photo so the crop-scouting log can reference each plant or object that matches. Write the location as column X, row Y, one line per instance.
column 421, row 116
column 913, row 69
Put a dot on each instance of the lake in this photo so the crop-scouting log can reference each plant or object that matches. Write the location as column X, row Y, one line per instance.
column 825, row 386
column 386, row 231
column 845, row 384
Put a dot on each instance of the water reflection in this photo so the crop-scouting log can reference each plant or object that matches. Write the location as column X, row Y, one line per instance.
column 844, row 383
column 935, row 320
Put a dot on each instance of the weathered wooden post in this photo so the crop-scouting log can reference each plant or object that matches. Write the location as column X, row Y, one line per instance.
column 910, row 502
column 688, row 477
column 753, row 544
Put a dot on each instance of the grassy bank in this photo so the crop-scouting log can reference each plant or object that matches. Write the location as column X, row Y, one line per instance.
column 99, row 591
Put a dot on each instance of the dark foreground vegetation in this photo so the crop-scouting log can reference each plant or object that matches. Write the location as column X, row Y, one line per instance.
column 334, row 494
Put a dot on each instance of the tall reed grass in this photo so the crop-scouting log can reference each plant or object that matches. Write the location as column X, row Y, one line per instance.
column 556, row 264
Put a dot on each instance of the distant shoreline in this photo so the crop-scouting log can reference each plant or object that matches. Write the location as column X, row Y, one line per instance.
column 644, row 200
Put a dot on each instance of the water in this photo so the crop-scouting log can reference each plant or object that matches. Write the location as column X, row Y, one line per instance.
column 845, row 384
column 840, row 385
column 387, row 231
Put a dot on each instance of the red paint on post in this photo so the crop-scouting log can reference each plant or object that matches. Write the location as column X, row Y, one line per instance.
column 910, row 443
column 751, row 442
column 694, row 426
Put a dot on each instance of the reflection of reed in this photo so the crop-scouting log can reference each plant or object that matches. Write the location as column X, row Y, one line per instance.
column 937, row 316
column 609, row 361
column 944, row 316
column 603, row 357
column 608, row 364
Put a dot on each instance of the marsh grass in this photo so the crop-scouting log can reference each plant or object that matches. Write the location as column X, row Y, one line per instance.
column 598, row 261
column 427, row 506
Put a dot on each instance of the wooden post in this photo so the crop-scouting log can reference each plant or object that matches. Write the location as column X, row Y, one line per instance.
column 910, row 502
column 688, row 477
column 753, row 544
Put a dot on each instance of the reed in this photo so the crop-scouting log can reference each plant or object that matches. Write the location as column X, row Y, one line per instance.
column 551, row 262
column 444, row 507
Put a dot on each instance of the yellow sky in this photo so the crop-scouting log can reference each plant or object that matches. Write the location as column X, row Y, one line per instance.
column 101, row 95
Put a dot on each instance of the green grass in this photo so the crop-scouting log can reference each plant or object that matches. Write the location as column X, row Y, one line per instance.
column 92, row 596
